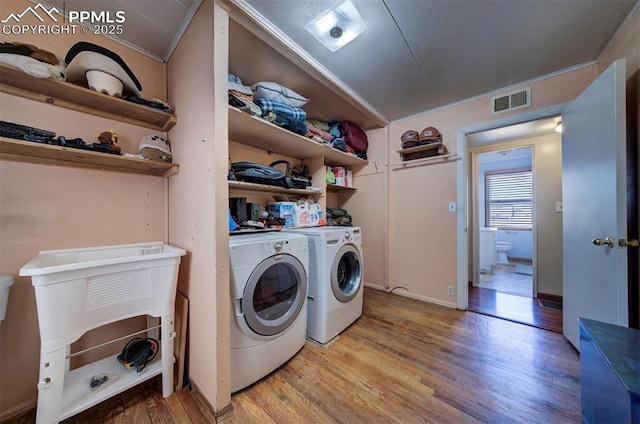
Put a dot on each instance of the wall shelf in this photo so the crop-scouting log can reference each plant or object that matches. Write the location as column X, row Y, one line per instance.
column 81, row 99
column 32, row 152
column 451, row 157
column 245, row 186
column 338, row 188
column 423, row 151
column 257, row 132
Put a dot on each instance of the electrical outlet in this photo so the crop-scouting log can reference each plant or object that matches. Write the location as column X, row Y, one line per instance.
column 449, row 290
column 452, row 206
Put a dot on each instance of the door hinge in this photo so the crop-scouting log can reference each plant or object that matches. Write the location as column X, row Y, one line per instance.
column 628, row 243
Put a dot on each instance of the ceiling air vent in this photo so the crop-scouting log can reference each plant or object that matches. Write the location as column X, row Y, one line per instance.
column 511, row 101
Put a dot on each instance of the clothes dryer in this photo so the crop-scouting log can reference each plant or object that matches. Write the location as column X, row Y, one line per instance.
column 335, row 280
column 268, row 276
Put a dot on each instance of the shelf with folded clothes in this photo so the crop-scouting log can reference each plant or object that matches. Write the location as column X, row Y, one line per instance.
column 33, row 152
column 246, row 186
column 257, row 132
column 64, row 94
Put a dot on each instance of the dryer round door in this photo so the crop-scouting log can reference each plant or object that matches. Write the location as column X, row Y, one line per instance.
column 346, row 273
column 274, row 294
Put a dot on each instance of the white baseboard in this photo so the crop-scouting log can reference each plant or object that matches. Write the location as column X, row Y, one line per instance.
column 413, row 296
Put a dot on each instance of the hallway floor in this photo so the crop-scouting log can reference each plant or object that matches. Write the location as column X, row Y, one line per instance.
column 506, row 292
column 525, row 310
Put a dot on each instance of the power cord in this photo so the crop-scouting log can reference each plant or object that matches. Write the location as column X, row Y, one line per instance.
column 138, row 352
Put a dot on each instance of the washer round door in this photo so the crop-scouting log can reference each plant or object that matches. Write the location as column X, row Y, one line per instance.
column 274, row 294
column 346, row 273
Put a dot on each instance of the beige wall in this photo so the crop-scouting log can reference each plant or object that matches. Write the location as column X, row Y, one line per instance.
column 369, row 208
column 547, row 163
column 50, row 207
column 625, row 44
column 422, row 233
column 198, row 200
column 148, row 71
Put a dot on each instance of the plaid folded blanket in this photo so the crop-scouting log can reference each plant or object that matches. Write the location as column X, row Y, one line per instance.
column 269, row 105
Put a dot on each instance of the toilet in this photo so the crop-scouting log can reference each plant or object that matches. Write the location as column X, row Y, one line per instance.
column 502, row 247
column 488, row 249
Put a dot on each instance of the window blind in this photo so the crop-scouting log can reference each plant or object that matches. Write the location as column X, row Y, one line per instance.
column 508, row 199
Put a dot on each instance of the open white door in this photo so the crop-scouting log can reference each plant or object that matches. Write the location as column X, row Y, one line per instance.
column 594, row 204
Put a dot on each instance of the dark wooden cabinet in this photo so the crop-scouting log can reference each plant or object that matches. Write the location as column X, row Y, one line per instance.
column 609, row 373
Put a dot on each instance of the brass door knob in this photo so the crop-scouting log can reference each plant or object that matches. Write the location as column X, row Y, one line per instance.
column 603, row 242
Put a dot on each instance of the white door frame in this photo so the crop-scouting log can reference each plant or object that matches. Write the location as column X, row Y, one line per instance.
column 462, row 177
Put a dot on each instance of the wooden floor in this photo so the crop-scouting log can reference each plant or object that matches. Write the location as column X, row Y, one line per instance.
column 404, row 361
column 142, row 404
column 525, row 310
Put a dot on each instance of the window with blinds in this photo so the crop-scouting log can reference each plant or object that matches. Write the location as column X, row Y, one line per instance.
column 509, row 199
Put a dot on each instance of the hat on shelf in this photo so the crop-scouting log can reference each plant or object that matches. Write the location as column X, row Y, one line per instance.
column 409, row 139
column 32, row 60
column 430, row 135
column 101, row 69
column 154, row 147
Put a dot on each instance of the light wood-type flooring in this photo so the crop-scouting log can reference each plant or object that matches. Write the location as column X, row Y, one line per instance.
column 404, row 361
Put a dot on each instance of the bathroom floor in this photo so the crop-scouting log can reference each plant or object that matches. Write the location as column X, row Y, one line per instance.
column 513, row 278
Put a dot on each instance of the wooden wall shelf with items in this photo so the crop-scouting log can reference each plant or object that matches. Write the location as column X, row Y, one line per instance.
column 257, row 54
column 32, row 152
column 75, row 97
column 424, row 151
column 257, row 132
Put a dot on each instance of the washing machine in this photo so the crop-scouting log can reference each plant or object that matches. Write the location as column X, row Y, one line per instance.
column 335, row 295
column 268, row 276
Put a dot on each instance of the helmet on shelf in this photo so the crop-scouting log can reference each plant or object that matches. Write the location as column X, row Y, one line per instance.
column 155, row 147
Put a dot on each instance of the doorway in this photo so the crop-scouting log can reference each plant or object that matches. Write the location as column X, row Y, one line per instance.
column 503, row 208
column 515, row 208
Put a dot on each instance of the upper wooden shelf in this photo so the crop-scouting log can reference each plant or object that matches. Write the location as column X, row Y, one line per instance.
column 32, row 152
column 75, row 97
column 245, row 186
column 421, row 148
column 257, row 132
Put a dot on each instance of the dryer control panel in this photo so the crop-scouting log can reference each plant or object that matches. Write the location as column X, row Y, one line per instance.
column 284, row 246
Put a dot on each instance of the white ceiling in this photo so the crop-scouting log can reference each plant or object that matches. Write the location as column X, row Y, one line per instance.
column 415, row 55
column 151, row 26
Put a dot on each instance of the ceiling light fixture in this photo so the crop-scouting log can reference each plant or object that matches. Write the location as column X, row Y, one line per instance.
column 559, row 127
column 338, row 26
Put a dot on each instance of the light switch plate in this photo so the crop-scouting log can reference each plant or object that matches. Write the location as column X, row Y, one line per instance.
column 452, row 206
column 558, row 206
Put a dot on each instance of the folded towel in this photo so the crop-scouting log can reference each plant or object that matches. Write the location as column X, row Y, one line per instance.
column 269, row 106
